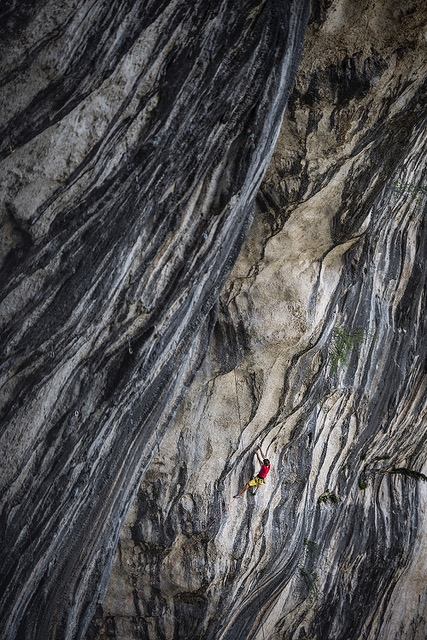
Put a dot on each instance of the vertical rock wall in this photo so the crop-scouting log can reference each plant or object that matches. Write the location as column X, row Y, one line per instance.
column 319, row 355
column 134, row 138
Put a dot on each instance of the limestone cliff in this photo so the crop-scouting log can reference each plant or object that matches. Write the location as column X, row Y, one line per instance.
column 134, row 139
column 319, row 354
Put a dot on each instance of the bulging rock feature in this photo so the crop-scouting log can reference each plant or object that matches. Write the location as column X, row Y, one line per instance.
column 319, row 355
column 134, row 139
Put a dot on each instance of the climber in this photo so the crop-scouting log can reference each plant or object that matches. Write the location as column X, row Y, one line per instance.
column 260, row 478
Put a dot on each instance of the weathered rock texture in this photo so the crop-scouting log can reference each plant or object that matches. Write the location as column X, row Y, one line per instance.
column 337, row 252
column 134, row 137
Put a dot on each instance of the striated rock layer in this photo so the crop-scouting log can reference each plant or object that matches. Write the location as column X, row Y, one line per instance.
column 134, row 139
column 319, row 354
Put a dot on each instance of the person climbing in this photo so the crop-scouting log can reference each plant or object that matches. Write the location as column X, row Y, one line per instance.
column 259, row 479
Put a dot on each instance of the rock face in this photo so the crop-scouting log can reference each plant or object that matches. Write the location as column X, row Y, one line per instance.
column 134, row 139
column 319, row 354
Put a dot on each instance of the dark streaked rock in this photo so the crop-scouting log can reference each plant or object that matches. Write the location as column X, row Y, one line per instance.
column 338, row 242
column 134, row 139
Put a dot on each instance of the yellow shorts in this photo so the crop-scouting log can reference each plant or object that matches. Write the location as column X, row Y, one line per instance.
column 256, row 480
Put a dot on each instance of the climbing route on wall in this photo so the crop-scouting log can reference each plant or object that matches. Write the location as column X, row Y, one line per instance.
column 175, row 556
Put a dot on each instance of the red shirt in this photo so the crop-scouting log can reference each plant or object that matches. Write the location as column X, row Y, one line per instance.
column 264, row 471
